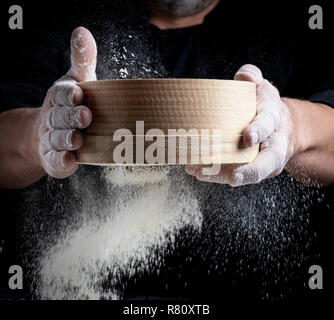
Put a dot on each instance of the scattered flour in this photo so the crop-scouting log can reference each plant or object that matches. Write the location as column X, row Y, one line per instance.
column 136, row 175
column 123, row 242
column 123, row 73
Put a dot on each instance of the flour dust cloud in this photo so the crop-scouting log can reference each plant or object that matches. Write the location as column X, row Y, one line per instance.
column 121, row 242
column 106, row 232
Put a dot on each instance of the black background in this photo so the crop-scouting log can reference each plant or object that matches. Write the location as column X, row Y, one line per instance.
column 283, row 16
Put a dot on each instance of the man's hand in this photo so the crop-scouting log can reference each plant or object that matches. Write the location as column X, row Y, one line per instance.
column 271, row 128
column 62, row 114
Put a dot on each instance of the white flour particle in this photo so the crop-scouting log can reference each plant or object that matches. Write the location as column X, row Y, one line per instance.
column 123, row 73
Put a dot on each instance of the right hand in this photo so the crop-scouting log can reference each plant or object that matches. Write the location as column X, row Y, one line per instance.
column 62, row 114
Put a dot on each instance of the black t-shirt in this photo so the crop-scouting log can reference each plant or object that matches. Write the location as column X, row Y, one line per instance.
column 294, row 58
column 266, row 251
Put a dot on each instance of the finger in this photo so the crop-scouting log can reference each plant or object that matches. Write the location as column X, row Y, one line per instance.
column 62, row 140
column 191, row 169
column 224, row 176
column 270, row 160
column 269, row 107
column 83, row 55
column 249, row 72
column 59, row 164
column 220, row 178
column 68, row 117
column 66, row 93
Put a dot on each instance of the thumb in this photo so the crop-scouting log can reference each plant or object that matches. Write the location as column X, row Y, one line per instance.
column 249, row 72
column 268, row 106
column 83, row 55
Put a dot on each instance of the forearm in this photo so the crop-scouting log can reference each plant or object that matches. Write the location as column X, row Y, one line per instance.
column 19, row 159
column 313, row 134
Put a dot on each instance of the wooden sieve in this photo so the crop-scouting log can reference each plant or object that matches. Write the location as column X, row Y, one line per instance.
column 199, row 109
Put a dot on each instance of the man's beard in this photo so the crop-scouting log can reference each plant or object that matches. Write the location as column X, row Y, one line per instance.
column 182, row 8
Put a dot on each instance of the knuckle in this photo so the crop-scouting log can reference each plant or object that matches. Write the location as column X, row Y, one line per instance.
column 54, row 96
column 64, row 93
column 266, row 143
column 50, row 95
column 268, row 121
column 52, row 140
column 262, row 129
column 270, row 90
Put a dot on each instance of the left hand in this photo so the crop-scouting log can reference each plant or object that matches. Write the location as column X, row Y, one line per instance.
column 62, row 115
column 272, row 128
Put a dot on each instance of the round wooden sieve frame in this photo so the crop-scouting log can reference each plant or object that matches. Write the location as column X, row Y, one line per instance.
column 199, row 104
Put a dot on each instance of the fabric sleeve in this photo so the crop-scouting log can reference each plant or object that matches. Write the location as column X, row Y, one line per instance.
column 325, row 97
